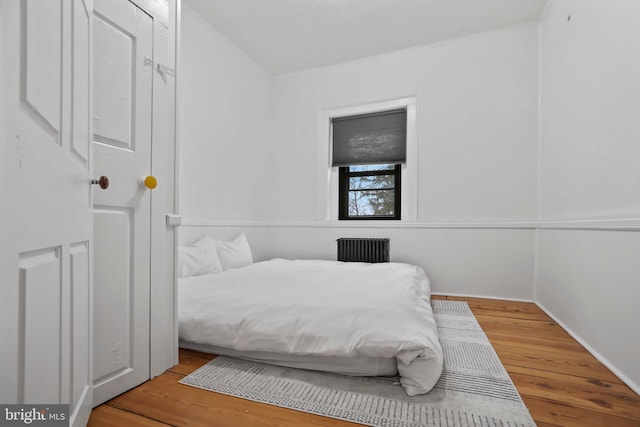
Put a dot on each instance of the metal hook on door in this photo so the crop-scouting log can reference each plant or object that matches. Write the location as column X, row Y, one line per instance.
column 162, row 69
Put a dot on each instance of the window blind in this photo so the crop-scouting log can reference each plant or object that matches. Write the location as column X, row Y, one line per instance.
column 376, row 138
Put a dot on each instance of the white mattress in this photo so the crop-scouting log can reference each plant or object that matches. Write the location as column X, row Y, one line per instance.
column 318, row 308
column 356, row 366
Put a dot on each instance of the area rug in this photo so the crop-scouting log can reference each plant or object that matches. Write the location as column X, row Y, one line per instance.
column 474, row 389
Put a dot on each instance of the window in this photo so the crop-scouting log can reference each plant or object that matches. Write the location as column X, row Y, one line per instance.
column 328, row 173
column 369, row 150
column 370, row 192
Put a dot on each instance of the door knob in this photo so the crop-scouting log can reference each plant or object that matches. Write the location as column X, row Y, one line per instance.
column 103, row 182
column 150, row 182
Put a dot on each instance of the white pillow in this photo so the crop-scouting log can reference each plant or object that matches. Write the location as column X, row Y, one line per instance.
column 199, row 258
column 235, row 253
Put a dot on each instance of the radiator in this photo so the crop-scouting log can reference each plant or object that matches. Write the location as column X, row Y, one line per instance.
column 363, row 250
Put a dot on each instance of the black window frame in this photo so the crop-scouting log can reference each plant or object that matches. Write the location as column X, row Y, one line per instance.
column 343, row 192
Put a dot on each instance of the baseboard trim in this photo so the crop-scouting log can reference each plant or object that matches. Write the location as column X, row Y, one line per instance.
column 633, row 386
column 449, row 294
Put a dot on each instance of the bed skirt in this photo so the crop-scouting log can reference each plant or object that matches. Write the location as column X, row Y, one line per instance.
column 356, row 366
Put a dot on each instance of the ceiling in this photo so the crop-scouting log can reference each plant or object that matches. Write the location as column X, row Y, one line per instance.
column 284, row 36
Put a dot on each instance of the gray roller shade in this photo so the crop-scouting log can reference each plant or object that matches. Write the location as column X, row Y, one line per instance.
column 366, row 139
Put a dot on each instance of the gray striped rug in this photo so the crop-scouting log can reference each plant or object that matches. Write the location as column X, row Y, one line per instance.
column 474, row 389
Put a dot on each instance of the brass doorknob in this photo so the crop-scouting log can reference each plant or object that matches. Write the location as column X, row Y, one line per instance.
column 103, row 182
column 150, row 182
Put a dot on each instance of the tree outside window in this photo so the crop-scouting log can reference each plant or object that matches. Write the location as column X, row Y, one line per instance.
column 370, row 192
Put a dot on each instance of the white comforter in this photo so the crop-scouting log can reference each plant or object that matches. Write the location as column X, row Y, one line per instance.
column 324, row 308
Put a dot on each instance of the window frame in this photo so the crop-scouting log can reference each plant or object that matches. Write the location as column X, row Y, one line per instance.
column 327, row 175
column 344, row 189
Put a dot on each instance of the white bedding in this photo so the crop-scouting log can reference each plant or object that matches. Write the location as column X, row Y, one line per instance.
column 323, row 308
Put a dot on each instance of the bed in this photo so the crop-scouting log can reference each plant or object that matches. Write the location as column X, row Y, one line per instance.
column 348, row 318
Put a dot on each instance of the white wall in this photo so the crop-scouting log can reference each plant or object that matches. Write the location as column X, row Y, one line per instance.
column 224, row 105
column 589, row 246
column 477, row 128
column 481, row 170
column 476, row 261
column 590, row 110
column 588, row 280
column 477, row 124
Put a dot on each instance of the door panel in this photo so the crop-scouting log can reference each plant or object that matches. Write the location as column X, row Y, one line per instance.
column 81, row 133
column 45, row 174
column 114, row 74
column 123, row 39
column 41, row 324
column 45, row 178
column 44, row 62
column 113, row 313
column 82, row 318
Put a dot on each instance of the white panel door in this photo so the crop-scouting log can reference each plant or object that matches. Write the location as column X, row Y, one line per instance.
column 45, row 175
column 123, row 40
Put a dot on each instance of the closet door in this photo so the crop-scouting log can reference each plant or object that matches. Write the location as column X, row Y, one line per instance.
column 45, row 178
column 123, row 69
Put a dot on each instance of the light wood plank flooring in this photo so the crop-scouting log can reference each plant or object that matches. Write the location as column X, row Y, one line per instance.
column 559, row 381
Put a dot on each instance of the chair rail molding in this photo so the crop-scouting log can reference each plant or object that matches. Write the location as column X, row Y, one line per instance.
column 629, row 223
column 444, row 224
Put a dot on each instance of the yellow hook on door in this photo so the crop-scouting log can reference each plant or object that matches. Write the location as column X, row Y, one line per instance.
column 150, row 182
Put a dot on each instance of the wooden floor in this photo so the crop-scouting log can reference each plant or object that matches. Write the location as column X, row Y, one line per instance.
column 559, row 381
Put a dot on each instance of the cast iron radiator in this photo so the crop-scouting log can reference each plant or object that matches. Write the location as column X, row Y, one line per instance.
column 363, row 249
